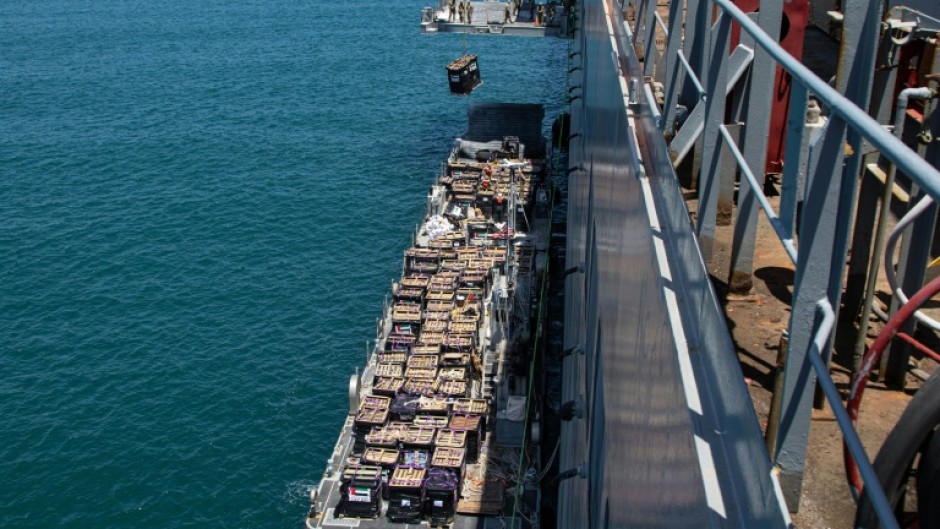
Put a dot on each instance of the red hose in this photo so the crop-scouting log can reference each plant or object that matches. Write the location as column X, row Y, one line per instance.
column 868, row 362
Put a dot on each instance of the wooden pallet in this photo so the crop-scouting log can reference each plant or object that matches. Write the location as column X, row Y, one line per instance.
column 431, row 338
column 468, row 252
column 434, row 404
column 474, row 406
column 431, row 421
column 465, row 422
column 388, row 385
column 434, row 326
column 407, row 477
column 431, row 315
column 447, row 457
column 455, row 359
column 426, row 349
column 452, row 373
column 362, row 474
column 453, row 388
column 451, row 438
column 440, row 295
column 453, row 264
column 416, row 280
column 395, row 357
column 463, row 186
column 409, row 293
column 424, row 267
column 418, row 436
column 422, row 253
column 421, row 372
column 467, row 316
column 462, row 327
column 372, row 416
column 407, row 312
column 399, row 341
column 439, row 306
column 426, row 361
column 382, row 437
column 380, row 456
column 372, row 401
column 421, row 386
column 389, row 370
column 492, row 506
column 459, row 342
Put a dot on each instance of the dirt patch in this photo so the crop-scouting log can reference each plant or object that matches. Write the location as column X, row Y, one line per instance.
column 756, row 320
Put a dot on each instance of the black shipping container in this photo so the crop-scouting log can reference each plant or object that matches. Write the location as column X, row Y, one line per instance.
column 361, row 492
column 405, row 505
column 463, row 75
column 440, row 496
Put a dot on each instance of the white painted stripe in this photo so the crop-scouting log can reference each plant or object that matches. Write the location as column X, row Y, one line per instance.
column 780, row 499
column 710, row 477
column 610, row 32
column 672, row 305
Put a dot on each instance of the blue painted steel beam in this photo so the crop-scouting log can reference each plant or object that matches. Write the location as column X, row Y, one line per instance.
column 754, row 140
column 714, row 117
column 917, row 168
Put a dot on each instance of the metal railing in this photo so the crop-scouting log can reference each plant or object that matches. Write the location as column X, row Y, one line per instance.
column 697, row 65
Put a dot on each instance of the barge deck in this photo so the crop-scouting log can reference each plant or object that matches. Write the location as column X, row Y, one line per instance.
column 437, row 426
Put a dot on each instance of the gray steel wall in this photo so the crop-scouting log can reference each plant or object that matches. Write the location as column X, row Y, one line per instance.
column 637, row 435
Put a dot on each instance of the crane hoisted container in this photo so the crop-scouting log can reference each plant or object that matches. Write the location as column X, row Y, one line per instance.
column 464, row 75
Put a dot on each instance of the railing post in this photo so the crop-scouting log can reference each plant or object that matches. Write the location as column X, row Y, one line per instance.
column 711, row 141
column 698, row 18
column 793, row 160
column 860, row 32
column 754, row 139
column 649, row 43
column 815, row 270
column 673, row 77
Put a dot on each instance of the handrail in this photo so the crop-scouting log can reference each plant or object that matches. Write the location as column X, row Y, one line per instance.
column 761, row 198
column 817, row 317
column 850, row 436
column 692, row 77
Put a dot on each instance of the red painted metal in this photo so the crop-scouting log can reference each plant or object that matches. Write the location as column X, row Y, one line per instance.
column 916, row 344
column 792, row 32
column 870, row 360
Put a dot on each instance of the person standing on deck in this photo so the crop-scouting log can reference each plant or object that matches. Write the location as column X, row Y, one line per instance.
column 539, row 13
column 508, row 14
column 469, row 12
column 452, row 8
column 460, row 11
column 551, row 14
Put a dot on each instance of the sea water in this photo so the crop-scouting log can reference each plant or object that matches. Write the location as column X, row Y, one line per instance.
column 202, row 205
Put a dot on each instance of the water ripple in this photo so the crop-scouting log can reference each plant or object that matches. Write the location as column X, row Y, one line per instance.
column 203, row 204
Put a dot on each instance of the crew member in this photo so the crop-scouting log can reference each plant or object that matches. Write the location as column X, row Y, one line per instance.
column 460, row 11
column 469, row 12
column 452, row 10
column 539, row 13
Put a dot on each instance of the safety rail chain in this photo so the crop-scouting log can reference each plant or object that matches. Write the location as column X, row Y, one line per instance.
column 699, row 62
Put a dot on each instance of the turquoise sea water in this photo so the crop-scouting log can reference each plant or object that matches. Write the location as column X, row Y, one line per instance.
column 202, row 204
